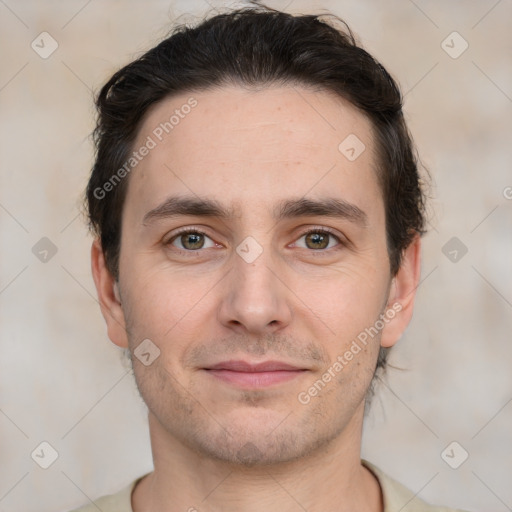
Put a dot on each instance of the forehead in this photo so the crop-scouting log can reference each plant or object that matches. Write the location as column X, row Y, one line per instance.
column 253, row 147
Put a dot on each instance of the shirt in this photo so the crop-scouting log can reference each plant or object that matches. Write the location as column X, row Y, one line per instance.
column 396, row 497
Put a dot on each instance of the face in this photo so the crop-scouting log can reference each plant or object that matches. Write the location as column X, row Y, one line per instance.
column 253, row 254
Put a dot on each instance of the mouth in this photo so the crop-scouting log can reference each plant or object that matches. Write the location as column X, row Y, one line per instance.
column 254, row 375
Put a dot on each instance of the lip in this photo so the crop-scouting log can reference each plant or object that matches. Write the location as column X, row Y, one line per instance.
column 244, row 366
column 254, row 375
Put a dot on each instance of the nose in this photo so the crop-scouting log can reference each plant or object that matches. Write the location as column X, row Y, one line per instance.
column 256, row 299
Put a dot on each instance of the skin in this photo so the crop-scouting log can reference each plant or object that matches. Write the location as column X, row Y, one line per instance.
column 217, row 446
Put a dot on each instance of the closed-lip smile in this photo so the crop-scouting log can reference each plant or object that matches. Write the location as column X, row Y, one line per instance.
column 254, row 375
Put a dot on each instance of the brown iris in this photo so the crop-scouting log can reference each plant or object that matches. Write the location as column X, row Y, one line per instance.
column 318, row 239
column 192, row 241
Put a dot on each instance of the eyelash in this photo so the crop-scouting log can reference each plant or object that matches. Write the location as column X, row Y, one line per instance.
column 323, row 231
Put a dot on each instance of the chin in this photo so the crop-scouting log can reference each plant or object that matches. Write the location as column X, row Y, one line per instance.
column 259, row 440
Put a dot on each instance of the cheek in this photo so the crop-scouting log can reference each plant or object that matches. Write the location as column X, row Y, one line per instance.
column 167, row 308
column 346, row 301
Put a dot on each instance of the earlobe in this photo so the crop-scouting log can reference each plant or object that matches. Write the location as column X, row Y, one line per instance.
column 402, row 293
column 108, row 296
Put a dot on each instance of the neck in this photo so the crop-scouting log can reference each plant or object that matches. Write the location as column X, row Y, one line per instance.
column 332, row 478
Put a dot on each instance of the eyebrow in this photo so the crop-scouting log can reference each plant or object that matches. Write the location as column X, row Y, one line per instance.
column 286, row 209
column 324, row 207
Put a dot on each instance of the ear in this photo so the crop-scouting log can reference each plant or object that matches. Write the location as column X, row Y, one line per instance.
column 402, row 293
column 108, row 296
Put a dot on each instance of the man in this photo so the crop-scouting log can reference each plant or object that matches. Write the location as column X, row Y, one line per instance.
column 257, row 211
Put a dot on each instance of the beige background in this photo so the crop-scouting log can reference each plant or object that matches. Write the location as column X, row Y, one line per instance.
column 63, row 382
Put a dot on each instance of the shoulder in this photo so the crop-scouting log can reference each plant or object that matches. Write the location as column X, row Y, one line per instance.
column 119, row 502
column 398, row 498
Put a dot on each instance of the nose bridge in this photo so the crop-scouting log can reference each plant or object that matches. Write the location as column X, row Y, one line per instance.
column 253, row 270
column 255, row 297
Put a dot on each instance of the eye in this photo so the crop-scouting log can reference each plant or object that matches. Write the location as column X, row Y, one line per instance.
column 319, row 239
column 191, row 240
